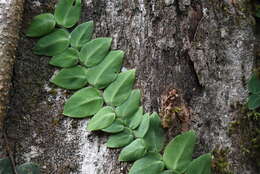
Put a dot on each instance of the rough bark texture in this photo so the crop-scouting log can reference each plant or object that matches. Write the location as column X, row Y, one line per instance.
column 10, row 17
column 202, row 48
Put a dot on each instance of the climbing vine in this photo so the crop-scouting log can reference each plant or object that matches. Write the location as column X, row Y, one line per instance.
column 104, row 93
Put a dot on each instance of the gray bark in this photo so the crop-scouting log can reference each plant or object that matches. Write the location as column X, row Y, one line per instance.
column 202, row 48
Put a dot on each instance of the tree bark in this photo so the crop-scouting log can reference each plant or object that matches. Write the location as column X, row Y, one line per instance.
column 10, row 17
column 201, row 48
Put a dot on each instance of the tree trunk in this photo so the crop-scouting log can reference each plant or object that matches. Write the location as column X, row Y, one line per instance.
column 203, row 49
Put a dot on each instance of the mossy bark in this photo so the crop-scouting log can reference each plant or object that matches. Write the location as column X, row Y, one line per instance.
column 202, row 48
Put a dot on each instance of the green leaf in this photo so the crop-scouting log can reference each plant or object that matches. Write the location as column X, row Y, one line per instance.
column 94, row 52
column 6, row 166
column 41, row 25
column 253, row 101
column 28, row 168
column 66, row 59
column 168, row 172
column 104, row 73
column 115, row 127
column 133, row 151
column 71, row 78
column 150, row 164
column 178, row 153
column 67, row 12
column 130, row 106
column 201, row 165
column 118, row 91
column 155, row 137
column 134, row 121
column 53, row 43
column 254, row 84
column 144, row 127
column 257, row 13
column 82, row 34
column 102, row 119
column 83, row 103
column 121, row 139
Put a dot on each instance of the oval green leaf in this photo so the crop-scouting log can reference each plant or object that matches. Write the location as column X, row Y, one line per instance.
column 155, row 136
column 201, row 165
column 66, row 59
column 116, row 127
column 150, row 164
column 71, row 78
column 53, row 43
column 28, row 168
column 82, row 34
column 104, row 73
column 130, row 106
column 102, row 119
column 134, row 121
column 144, row 127
column 6, row 166
column 121, row 139
column 253, row 101
column 254, row 84
column 178, row 153
column 41, row 25
column 67, row 12
column 118, row 91
column 94, row 52
column 85, row 102
column 134, row 151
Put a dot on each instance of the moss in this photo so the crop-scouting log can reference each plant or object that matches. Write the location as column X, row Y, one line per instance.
column 247, row 126
column 220, row 164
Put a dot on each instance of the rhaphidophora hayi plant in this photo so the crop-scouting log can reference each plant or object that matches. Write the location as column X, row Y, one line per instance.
column 105, row 94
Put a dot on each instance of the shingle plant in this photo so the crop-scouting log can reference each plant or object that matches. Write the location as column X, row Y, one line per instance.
column 26, row 168
column 254, row 90
column 105, row 94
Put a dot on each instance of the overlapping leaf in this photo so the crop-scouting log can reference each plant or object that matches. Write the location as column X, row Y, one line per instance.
column 94, row 52
column 121, row 139
column 133, row 151
column 253, row 101
column 118, row 91
column 67, row 12
column 201, row 165
column 168, row 172
column 178, row 153
column 102, row 119
column 83, row 103
column 52, row 44
column 155, row 137
column 254, row 84
column 144, row 126
column 104, row 73
column 6, row 166
column 150, row 164
column 28, row 168
column 66, row 59
column 71, row 78
column 116, row 127
column 41, row 25
column 130, row 106
column 134, row 121
column 82, row 34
